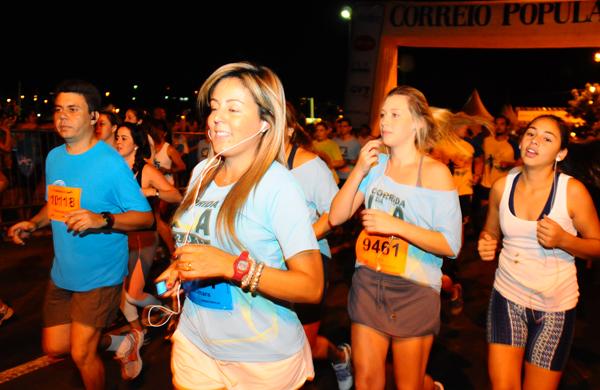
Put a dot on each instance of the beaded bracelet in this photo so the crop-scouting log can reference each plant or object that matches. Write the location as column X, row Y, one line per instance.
column 256, row 278
column 248, row 277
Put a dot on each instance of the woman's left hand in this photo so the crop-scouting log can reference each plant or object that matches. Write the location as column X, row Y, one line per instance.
column 203, row 262
column 549, row 233
column 377, row 221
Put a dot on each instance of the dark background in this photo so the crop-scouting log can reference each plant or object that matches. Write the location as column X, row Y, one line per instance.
column 169, row 48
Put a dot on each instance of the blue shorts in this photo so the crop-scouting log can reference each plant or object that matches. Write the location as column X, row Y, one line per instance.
column 546, row 336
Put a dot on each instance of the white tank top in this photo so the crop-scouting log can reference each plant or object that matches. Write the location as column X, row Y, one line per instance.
column 528, row 274
column 162, row 160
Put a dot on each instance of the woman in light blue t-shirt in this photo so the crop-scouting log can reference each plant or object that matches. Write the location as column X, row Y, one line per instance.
column 411, row 220
column 246, row 248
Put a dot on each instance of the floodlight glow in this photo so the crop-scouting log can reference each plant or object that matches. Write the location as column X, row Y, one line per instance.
column 346, row 13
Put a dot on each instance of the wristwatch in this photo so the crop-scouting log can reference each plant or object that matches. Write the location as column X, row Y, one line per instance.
column 109, row 218
column 241, row 267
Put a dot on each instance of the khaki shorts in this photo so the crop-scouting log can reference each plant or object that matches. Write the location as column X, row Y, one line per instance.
column 97, row 308
column 193, row 369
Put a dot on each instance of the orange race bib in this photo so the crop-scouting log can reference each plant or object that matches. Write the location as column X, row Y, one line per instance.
column 385, row 254
column 62, row 200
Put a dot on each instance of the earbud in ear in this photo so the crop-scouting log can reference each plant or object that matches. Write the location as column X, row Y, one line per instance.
column 264, row 127
column 558, row 158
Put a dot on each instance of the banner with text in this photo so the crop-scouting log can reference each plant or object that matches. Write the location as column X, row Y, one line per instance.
column 495, row 24
column 466, row 24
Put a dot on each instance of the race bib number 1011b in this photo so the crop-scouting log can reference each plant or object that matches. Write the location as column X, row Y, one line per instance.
column 62, row 200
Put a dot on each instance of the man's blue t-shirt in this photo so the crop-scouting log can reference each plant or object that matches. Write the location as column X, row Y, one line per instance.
column 83, row 262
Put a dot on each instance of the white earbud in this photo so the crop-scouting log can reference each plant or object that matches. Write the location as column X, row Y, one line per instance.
column 265, row 127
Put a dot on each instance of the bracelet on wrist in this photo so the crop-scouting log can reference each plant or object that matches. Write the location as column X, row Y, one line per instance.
column 256, row 278
column 248, row 277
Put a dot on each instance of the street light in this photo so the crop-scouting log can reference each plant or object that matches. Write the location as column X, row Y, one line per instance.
column 597, row 56
column 346, row 13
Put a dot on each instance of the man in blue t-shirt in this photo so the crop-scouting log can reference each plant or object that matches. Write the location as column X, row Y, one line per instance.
column 89, row 211
column 349, row 146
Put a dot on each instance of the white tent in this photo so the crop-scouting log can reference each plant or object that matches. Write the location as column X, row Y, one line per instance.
column 474, row 106
column 379, row 28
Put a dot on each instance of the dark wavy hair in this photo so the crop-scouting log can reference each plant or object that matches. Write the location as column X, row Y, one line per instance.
column 140, row 139
column 300, row 136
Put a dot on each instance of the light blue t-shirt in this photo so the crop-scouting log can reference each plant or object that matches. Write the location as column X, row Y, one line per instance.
column 430, row 209
column 218, row 317
column 319, row 187
column 91, row 260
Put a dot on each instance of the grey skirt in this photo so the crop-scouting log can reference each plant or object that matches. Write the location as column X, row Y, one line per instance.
column 393, row 305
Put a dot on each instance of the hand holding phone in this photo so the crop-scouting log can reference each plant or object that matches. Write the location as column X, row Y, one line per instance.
column 161, row 287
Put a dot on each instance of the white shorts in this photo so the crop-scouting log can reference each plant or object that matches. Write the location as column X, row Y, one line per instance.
column 193, row 369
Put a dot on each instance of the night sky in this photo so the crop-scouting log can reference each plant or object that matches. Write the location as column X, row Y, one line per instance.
column 180, row 44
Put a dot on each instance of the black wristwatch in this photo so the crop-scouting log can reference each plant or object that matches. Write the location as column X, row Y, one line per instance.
column 109, row 218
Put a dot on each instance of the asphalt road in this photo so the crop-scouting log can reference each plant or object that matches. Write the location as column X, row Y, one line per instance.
column 458, row 357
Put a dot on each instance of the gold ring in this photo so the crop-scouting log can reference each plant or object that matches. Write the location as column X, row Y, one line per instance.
column 188, row 267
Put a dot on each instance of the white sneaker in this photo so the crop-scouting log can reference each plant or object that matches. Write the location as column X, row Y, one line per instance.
column 130, row 360
column 343, row 370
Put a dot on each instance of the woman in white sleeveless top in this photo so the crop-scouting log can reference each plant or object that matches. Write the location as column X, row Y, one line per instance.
column 538, row 212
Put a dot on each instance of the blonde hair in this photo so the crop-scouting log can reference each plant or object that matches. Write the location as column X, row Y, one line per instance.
column 267, row 91
column 445, row 117
column 447, row 121
column 426, row 130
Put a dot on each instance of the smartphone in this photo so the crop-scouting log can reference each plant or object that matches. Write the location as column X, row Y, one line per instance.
column 161, row 287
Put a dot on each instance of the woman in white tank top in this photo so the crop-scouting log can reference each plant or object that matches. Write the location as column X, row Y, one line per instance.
column 538, row 213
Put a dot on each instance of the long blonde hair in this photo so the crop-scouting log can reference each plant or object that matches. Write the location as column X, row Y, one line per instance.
column 267, row 91
column 447, row 121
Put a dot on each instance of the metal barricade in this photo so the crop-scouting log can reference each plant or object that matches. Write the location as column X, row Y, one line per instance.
column 24, row 169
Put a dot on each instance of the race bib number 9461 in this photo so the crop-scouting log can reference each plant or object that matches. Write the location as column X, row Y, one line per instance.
column 62, row 200
column 382, row 253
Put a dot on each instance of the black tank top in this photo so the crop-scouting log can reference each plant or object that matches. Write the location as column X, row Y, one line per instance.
column 290, row 160
column 153, row 200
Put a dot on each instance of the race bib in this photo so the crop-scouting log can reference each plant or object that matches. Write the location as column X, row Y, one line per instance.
column 385, row 254
column 62, row 200
column 214, row 296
